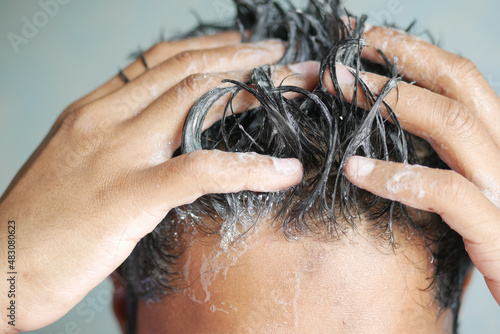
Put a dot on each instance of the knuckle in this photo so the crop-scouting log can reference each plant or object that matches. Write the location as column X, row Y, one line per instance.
column 194, row 82
column 185, row 57
column 73, row 106
column 195, row 166
column 64, row 115
column 77, row 120
column 486, row 241
column 192, row 164
column 463, row 67
column 454, row 188
column 137, row 94
column 457, row 119
column 207, row 165
column 80, row 130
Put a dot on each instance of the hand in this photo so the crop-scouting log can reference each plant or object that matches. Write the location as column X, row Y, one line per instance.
column 104, row 177
column 459, row 115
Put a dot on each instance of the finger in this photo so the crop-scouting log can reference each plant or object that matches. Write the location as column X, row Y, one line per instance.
column 185, row 178
column 461, row 205
column 169, row 121
column 494, row 286
column 438, row 70
column 136, row 96
column 454, row 132
column 156, row 55
column 434, row 190
column 168, row 49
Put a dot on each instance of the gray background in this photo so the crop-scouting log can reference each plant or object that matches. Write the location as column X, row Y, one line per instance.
column 86, row 41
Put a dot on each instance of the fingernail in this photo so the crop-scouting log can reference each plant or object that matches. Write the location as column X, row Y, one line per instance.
column 359, row 167
column 344, row 75
column 287, row 166
column 308, row 69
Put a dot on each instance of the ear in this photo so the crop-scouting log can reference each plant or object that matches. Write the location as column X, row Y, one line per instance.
column 120, row 301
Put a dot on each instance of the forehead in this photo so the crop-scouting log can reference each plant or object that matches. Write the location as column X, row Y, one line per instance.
column 267, row 277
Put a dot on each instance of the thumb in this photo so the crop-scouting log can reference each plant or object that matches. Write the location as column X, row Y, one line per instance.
column 183, row 179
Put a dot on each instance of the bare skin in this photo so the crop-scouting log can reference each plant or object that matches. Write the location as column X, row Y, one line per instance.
column 458, row 114
column 104, row 177
column 98, row 183
column 268, row 284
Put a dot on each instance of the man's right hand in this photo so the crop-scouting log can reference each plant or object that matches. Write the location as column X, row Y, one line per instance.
column 104, row 176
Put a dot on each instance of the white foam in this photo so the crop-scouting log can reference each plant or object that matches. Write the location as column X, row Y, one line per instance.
column 154, row 91
column 214, row 309
column 490, row 187
column 218, row 262
column 407, row 179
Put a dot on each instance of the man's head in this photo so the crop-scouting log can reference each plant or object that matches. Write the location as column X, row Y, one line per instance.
column 322, row 253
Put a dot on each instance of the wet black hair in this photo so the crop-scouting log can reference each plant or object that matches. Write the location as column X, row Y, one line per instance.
column 320, row 129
